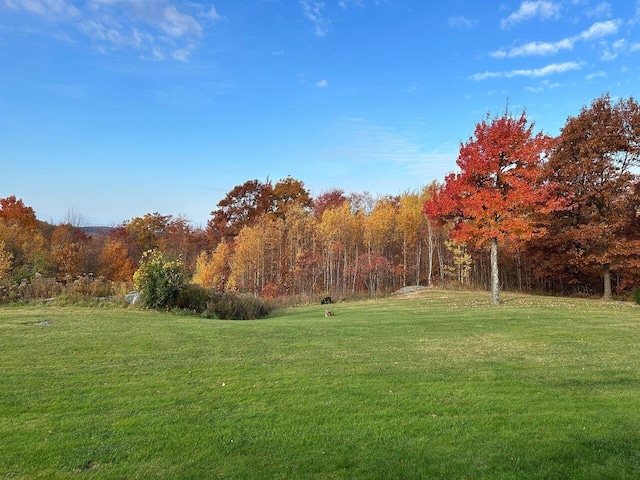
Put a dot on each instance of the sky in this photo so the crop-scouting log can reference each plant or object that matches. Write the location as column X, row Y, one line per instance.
column 111, row 109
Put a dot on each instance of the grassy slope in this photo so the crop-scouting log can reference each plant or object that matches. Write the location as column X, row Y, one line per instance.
column 439, row 385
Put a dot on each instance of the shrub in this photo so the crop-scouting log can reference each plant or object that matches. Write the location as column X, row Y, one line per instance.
column 159, row 280
column 636, row 295
column 194, row 297
column 229, row 306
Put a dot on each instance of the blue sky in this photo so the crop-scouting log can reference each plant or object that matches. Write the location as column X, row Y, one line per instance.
column 110, row 109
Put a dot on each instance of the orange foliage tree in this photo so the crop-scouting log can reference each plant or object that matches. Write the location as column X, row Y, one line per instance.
column 115, row 263
column 499, row 191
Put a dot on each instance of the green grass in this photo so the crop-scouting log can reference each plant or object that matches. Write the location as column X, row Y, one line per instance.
column 435, row 385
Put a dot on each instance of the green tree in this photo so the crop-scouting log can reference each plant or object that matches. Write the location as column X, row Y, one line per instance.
column 159, row 280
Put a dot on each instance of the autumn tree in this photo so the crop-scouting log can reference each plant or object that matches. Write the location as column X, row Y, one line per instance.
column 23, row 238
column 414, row 227
column 212, row 268
column 340, row 232
column 287, row 193
column 68, row 250
column 299, row 263
column 380, row 234
column 114, row 261
column 14, row 211
column 592, row 167
column 5, row 262
column 330, row 199
column 499, row 190
column 146, row 231
column 247, row 268
column 241, row 207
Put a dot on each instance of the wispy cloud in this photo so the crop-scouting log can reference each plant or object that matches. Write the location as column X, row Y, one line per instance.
column 363, row 144
column 158, row 29
column 313, row 11
column 602, row 10
column 211, row 14
column 322, row 83
column 552, row 69
column 611, row 52
column 462, row 22
column 596, row 31
column 542, row 9
column 599, row 30
column 534, row 48
column 49, row 8
column 346, row 3
column 591, row 76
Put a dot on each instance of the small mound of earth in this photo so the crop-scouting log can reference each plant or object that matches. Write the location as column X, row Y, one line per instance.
column 410, row 289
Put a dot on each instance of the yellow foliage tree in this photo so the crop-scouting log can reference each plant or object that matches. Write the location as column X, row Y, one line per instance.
column 212, row 268
column 5, row 261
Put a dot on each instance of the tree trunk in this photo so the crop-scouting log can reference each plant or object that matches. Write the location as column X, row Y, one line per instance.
column 607, row 282
column 430, row 254
column 495, row 280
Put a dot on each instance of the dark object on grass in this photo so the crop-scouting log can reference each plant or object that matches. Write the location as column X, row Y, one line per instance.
column 326, row 301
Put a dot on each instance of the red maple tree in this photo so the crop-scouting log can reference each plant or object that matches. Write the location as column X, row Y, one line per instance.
column 500, row 191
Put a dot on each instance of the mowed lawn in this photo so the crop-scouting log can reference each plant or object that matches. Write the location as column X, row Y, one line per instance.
column 431, row 385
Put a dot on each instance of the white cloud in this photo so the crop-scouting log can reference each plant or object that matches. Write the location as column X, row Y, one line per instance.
column 178, row 24
column 611, row 52
column 599, row 74
column 599, row 30
column 552, row 69
column 182, row 54
column 151, row 27
column 52, row 8
column 322, row 84
column 596, row 31
column 535, row 48
column 602, row 10
column 211, row 14
column 346, row 3
column 462, row 22
column 313, row 11
column 541, row 9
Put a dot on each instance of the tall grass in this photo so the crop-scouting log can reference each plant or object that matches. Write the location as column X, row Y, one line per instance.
column 434, row 385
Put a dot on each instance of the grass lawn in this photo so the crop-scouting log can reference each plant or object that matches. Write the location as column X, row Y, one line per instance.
column 432, row 385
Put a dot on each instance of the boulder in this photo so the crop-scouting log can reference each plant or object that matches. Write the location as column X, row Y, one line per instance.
column 132, row 298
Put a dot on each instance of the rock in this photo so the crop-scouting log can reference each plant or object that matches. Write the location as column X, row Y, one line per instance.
column 132, row 298
column 410, row 289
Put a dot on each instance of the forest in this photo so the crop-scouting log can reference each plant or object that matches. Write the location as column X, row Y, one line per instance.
column 524, row 212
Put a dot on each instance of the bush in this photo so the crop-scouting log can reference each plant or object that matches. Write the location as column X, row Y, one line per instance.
column 194, row 297
column 229, row 306
column 636, row 295
column 159, row 280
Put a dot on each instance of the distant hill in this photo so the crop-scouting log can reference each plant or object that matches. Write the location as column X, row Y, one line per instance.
column 97, row 231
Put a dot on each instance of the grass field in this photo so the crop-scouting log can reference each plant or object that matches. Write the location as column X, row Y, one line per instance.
column 434, row 385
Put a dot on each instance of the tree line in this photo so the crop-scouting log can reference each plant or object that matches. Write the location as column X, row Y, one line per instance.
column 564, row 212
